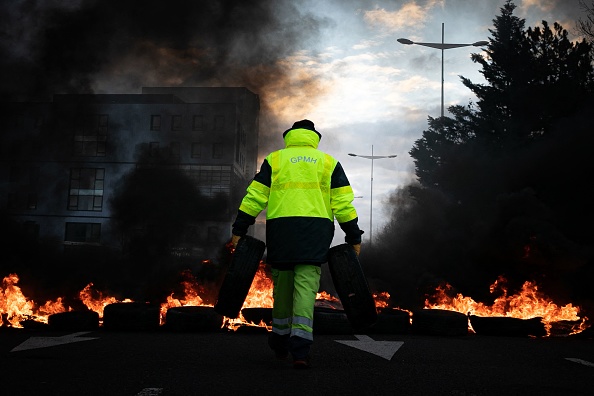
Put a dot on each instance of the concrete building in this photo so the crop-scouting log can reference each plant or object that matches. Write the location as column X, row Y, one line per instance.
column 63, row 161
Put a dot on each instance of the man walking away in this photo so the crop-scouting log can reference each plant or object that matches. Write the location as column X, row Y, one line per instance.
column 304, row 190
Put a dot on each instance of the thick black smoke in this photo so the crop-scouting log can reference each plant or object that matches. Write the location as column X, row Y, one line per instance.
column 119, row 46
column 527, row 217
column 114, row 46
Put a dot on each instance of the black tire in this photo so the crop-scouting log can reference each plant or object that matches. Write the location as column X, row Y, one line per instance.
column 193, row 319
column 351, row 286
column 391, row 321
column 239, row 276
column 331, row 321
column 31, row 324
column 74, row 321
column 439, row 322
column 258, row 314
column 131, row 316
column 509, row 327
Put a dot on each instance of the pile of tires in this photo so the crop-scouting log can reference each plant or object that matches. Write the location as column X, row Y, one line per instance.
column 239, row 276
column 193, row 319
column 439, row 322
column 351, row 286
column 131, row 316
column 331, row 321
column 74, row 321
column 391, row 321
column 507, row 327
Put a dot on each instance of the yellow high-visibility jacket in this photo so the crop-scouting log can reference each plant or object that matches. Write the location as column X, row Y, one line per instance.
column 304, row 190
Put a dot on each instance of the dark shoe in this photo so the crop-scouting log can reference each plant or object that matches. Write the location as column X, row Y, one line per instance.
column 301, row 364
column 281, row 355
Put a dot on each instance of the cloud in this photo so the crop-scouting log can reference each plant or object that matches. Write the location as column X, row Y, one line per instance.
column 543, row 5
column 409, row 16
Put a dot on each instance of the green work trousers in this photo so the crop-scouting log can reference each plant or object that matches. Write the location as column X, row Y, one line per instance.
column 294, row 296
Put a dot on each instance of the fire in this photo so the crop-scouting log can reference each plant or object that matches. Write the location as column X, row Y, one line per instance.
column 15, row 307
column 193, row 293
column 259, row 296
column 382, row 300
column 528, row 303
column 260, row 293
column 96, row 300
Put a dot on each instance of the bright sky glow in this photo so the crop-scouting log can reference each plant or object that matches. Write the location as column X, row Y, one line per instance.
column 379, row 92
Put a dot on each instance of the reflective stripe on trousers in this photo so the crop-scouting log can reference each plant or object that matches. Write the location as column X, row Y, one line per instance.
column 294, row 296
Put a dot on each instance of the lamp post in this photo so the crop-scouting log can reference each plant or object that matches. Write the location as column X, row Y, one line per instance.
column 372, row 158
column 442, row 46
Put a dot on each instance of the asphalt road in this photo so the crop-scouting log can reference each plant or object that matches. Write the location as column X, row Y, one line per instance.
column 44, row 362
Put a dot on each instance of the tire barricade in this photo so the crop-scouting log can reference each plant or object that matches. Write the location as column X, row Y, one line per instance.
column 132, row 316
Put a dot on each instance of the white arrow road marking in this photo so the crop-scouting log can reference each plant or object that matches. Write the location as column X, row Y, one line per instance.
column 44, row 342
column 580, row 361
column 385, row 349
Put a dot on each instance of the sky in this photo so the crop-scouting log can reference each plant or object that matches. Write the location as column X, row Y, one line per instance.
column 335, row 62
column 377, row 93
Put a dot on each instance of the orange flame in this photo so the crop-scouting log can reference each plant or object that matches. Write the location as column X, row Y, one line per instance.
column 528, row 303
column 94, row 299
column 15, row 307
column 382, row 299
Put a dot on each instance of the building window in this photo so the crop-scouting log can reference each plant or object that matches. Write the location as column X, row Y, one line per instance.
column 176, row 123
column 219, row 123
column 86, row 189
column 217, row 150
column 196, row 150
column 198, row 123
column 90, row 136
column 211, row 180
column 155, row 123
column 83, row 232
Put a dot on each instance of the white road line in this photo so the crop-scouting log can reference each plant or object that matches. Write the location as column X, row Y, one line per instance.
column 580, row 361
column 150, row 392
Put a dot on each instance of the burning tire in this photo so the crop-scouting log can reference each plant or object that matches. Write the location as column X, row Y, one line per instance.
column 131, row 316
column 503, row 326
column 439, row 322
column 351, row 286
column 331, row 321
column 193, row 319
column 391, row 321
column 239, row 276
column 74, row 321
column 257, row 315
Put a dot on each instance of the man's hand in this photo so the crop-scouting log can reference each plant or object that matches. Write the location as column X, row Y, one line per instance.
column 357, row 248
column 234, row 240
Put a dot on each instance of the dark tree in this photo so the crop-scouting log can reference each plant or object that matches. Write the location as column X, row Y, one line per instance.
column 504, row 182
column 586, row 25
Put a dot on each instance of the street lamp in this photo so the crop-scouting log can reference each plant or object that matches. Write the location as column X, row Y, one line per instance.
column 442, row 46
column 371, row 157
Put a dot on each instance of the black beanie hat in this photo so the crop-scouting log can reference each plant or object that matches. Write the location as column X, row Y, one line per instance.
column 303, row 124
